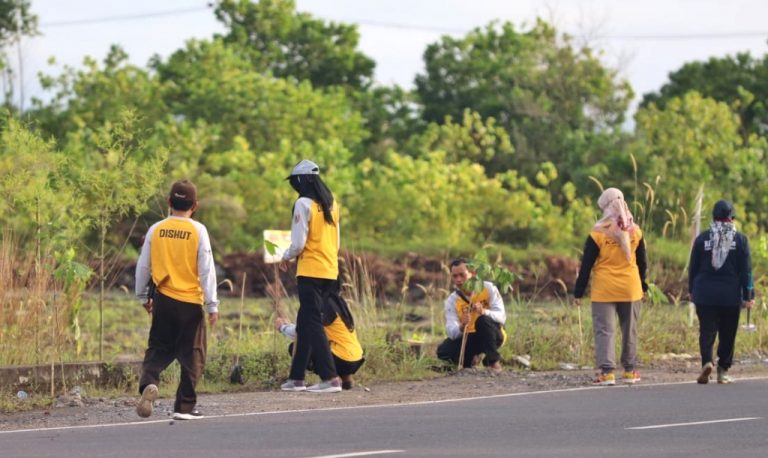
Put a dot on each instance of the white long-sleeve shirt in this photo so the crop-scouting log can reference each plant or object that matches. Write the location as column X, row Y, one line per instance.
column 300, row 228
column 496, row 312
column 176, row 227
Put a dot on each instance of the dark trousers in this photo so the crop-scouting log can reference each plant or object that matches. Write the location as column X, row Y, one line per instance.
column 177, row 332
column 343, row 367
column 487, row 339
column 311, row 341
column 720, row 322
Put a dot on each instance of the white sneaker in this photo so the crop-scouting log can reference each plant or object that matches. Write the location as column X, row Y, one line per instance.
column 293, row 385
column 148, row 396
column 194, row 415
column 328, row 386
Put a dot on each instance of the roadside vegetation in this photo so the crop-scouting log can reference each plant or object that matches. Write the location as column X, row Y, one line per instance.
column 506, row 140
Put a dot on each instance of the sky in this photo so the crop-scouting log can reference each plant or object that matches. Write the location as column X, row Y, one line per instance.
column 645, row 40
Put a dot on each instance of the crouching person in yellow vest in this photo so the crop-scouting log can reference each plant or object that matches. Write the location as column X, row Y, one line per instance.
column 339, row 327
column 482, row 314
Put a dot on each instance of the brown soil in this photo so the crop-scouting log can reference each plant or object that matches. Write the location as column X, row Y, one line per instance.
column 542, row 277
column 468, row 383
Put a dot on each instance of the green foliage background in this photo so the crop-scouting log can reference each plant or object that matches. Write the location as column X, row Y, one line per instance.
column 507, row 138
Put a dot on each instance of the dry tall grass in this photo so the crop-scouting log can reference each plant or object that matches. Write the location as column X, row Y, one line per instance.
column 32, row 321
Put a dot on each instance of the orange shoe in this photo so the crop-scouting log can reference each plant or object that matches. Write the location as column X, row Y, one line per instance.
column 631, row 377
column 604, row 379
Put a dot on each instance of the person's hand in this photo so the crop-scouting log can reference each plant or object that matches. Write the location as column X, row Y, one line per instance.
column 477, row 308
column 748, row 304
column 464, row 319
column 213, row 318
column 283, row 265
column 577, row 301
column 148, row 305
column 279, row 322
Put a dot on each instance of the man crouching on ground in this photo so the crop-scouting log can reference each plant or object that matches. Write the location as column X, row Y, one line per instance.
column 482, row 314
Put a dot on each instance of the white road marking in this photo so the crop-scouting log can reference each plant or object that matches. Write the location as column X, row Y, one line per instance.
column 692, row 423
column 370, row 406
column 372, row 452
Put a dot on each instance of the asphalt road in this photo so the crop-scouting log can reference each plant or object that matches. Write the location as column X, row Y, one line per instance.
column 655, row 421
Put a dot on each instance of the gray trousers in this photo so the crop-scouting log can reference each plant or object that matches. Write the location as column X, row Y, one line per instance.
column 604, row 327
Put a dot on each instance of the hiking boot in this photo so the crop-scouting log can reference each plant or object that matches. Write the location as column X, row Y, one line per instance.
column 604, row 379
column 194, row 415
column 631, row 377
column 327, row 386
column 705, row 372
column 293, row 385
column 148, row 396
column 722, row 376
column 495, row 368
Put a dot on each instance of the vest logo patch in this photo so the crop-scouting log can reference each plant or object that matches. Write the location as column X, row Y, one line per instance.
column 175, row 234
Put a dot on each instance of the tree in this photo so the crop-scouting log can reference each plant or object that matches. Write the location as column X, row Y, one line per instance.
column 740, row 81
column 116, row 180
column 391, row 116
column 534, row 83
column 244, row 102
column 16, row 21
column 695, row 141
column 277, row 39
column 36, row 201
column 90, row 97
column 474, row 139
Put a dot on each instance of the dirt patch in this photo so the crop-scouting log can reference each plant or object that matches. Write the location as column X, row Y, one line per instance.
column 468, row 383
column 410, row 275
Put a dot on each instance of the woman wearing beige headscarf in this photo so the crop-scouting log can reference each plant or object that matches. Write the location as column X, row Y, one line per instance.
column 614, row 255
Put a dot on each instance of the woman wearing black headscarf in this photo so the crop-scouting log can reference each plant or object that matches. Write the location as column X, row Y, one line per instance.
column 720, row 284
column 315, row 240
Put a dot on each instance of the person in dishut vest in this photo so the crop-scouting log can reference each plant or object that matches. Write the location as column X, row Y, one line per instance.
column 720, row 284
column 176, row 258
column 315, row 240
column 481, row 313
column 614, row 256
column 339, row 327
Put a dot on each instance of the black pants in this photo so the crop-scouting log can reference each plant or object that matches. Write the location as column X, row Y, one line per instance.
column 487, row 339
column 343, row 367
column 721, row 322
column 177, row 332
column 311, row 341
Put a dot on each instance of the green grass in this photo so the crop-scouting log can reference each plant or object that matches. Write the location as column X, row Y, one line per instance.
column 552, row 333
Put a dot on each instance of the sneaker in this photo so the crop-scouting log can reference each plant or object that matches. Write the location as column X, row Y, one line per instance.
column 722, row 376
column 148, row 396
column 704, row 376
column 328, row 386
column 631, row 377
column 605, row 379
column 293, row 385
column 194, row 415
column 495, row 368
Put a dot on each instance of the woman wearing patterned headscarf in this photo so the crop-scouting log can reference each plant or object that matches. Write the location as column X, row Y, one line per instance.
column 720, row 283
column 614, row 256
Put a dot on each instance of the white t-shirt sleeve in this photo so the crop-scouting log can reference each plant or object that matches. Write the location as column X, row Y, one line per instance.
column 299, row 228
column 496, row 312
column 144, row 268
column 206, row 270
column 288, row 330
column 452, row 325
